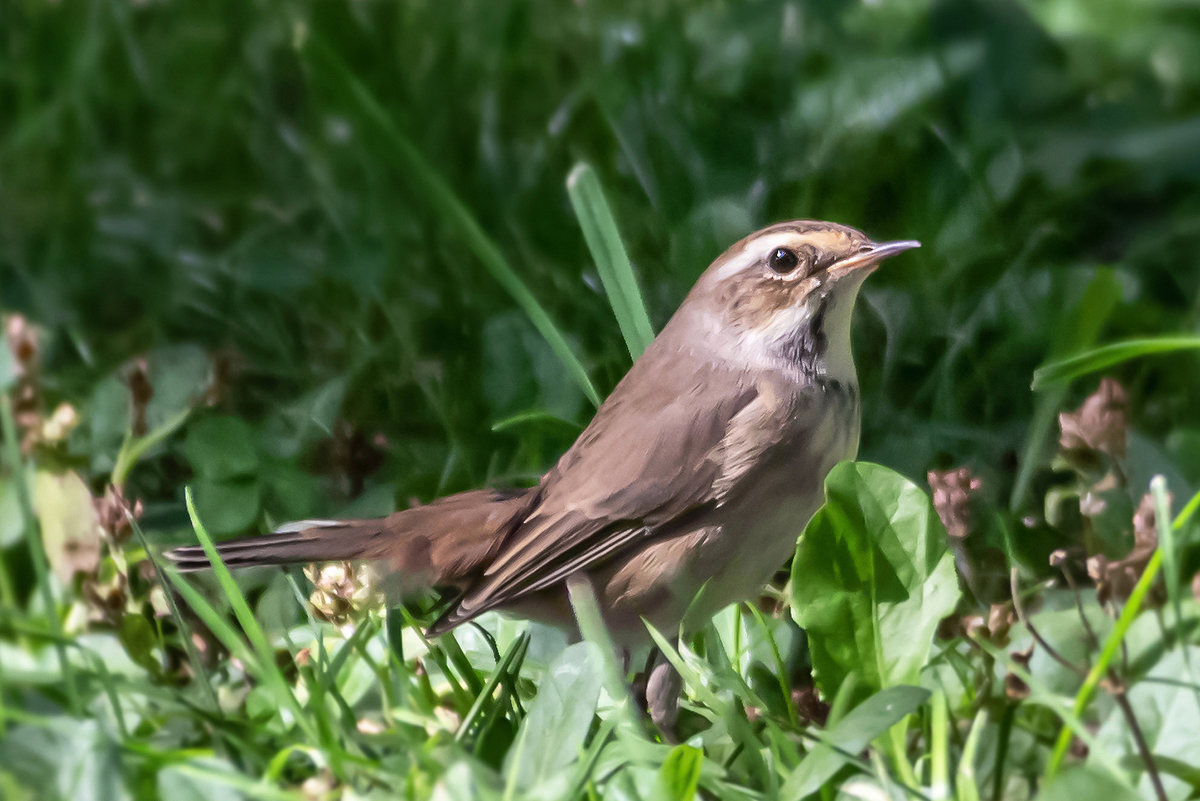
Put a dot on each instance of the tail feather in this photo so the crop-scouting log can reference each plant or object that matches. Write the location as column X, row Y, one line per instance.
column 445, row 543
column 297, row 526
column 301, row 542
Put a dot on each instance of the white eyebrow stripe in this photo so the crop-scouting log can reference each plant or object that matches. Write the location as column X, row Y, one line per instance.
column 755, row 250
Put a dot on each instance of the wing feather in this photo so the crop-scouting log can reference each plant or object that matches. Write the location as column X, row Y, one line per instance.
column 657, row 451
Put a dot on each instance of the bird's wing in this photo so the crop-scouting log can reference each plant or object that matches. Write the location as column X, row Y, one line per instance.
column 669, row 441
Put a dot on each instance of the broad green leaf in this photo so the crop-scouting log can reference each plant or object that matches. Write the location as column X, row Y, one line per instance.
column 228, row 507
column 66, row 759
column 288, row 491
column 850, row 735
column 872, row 578
column 70, row 530
column 221, row 448
column 202, row 779
column 1167, row 706
column 179, row 374
column 521, row 370
column 552, row 734
column 137, row 636
column 1086, row 782
column 304, row 420
column 680, row 773
column 467, row 781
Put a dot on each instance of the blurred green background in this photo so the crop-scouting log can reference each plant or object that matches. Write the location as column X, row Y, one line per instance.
column 253, row 198
column 285, row 254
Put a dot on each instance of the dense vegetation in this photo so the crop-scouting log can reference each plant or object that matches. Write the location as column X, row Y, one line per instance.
column 313, row 259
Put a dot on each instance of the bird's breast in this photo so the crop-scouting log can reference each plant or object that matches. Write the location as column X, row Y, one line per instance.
column 755, row 532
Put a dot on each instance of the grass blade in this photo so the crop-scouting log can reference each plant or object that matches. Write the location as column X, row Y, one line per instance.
column 1100, row 358
column 1166, row 543
column 193, row 656
column 133, row 448
column 513, row 657
column 1041, row 696
column 965, row 785
column 612, row 262
column 410, row 162
column 591, row 626
column 939, row 747
column 264, row 654
column 1099, row 669
column 1077, row 330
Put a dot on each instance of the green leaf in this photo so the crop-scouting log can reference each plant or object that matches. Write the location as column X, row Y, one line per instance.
column 259, row 655
column 612, row 262
column 12, row 527
column 680, row 773
column 520, row 369
column 485, row 698
column 66, row 758
column 228, row 507
column 850, row 735
column 1075, row 331
column 408, row 160
column 1097, row 359
column 133, row 448
column 202, row 779
column 1085, row 782
column 872, row 578
column 221, row 448
column 179, row 374
column 137, row 637
column 559, row 717
column 70, row 531
column 305, row 420
column 1167, row 706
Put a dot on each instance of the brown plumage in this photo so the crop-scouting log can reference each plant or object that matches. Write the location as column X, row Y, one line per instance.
column 699, row 470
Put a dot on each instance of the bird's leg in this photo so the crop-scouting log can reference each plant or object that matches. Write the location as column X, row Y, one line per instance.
column 656, row 690
column 662, row 698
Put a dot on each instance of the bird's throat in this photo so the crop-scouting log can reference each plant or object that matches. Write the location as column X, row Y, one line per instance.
column 818, row 345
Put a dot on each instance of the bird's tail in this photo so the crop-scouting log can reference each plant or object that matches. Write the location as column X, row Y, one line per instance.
column 299, row 542
column 445, row 543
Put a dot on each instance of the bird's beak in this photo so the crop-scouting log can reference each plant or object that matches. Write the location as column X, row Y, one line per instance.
column 871, row 257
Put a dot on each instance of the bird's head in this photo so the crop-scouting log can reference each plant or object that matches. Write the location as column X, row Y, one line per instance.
column 785, row 294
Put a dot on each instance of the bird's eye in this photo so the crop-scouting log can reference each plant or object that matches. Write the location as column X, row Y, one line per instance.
column 783, row 260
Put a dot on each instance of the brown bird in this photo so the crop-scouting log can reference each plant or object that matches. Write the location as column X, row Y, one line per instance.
column 699, row 470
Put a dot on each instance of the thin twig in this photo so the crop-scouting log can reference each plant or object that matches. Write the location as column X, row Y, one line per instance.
column 1020, row 610
column 1139, row 739
column 1093, row 640
column 1114, row 685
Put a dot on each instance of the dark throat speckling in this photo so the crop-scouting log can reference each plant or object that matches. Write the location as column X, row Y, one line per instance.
column 805, row 347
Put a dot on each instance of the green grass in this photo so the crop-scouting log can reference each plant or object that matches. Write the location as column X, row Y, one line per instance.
column 373, row 252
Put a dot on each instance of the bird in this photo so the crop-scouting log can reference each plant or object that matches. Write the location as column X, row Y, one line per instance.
column 687, row 490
